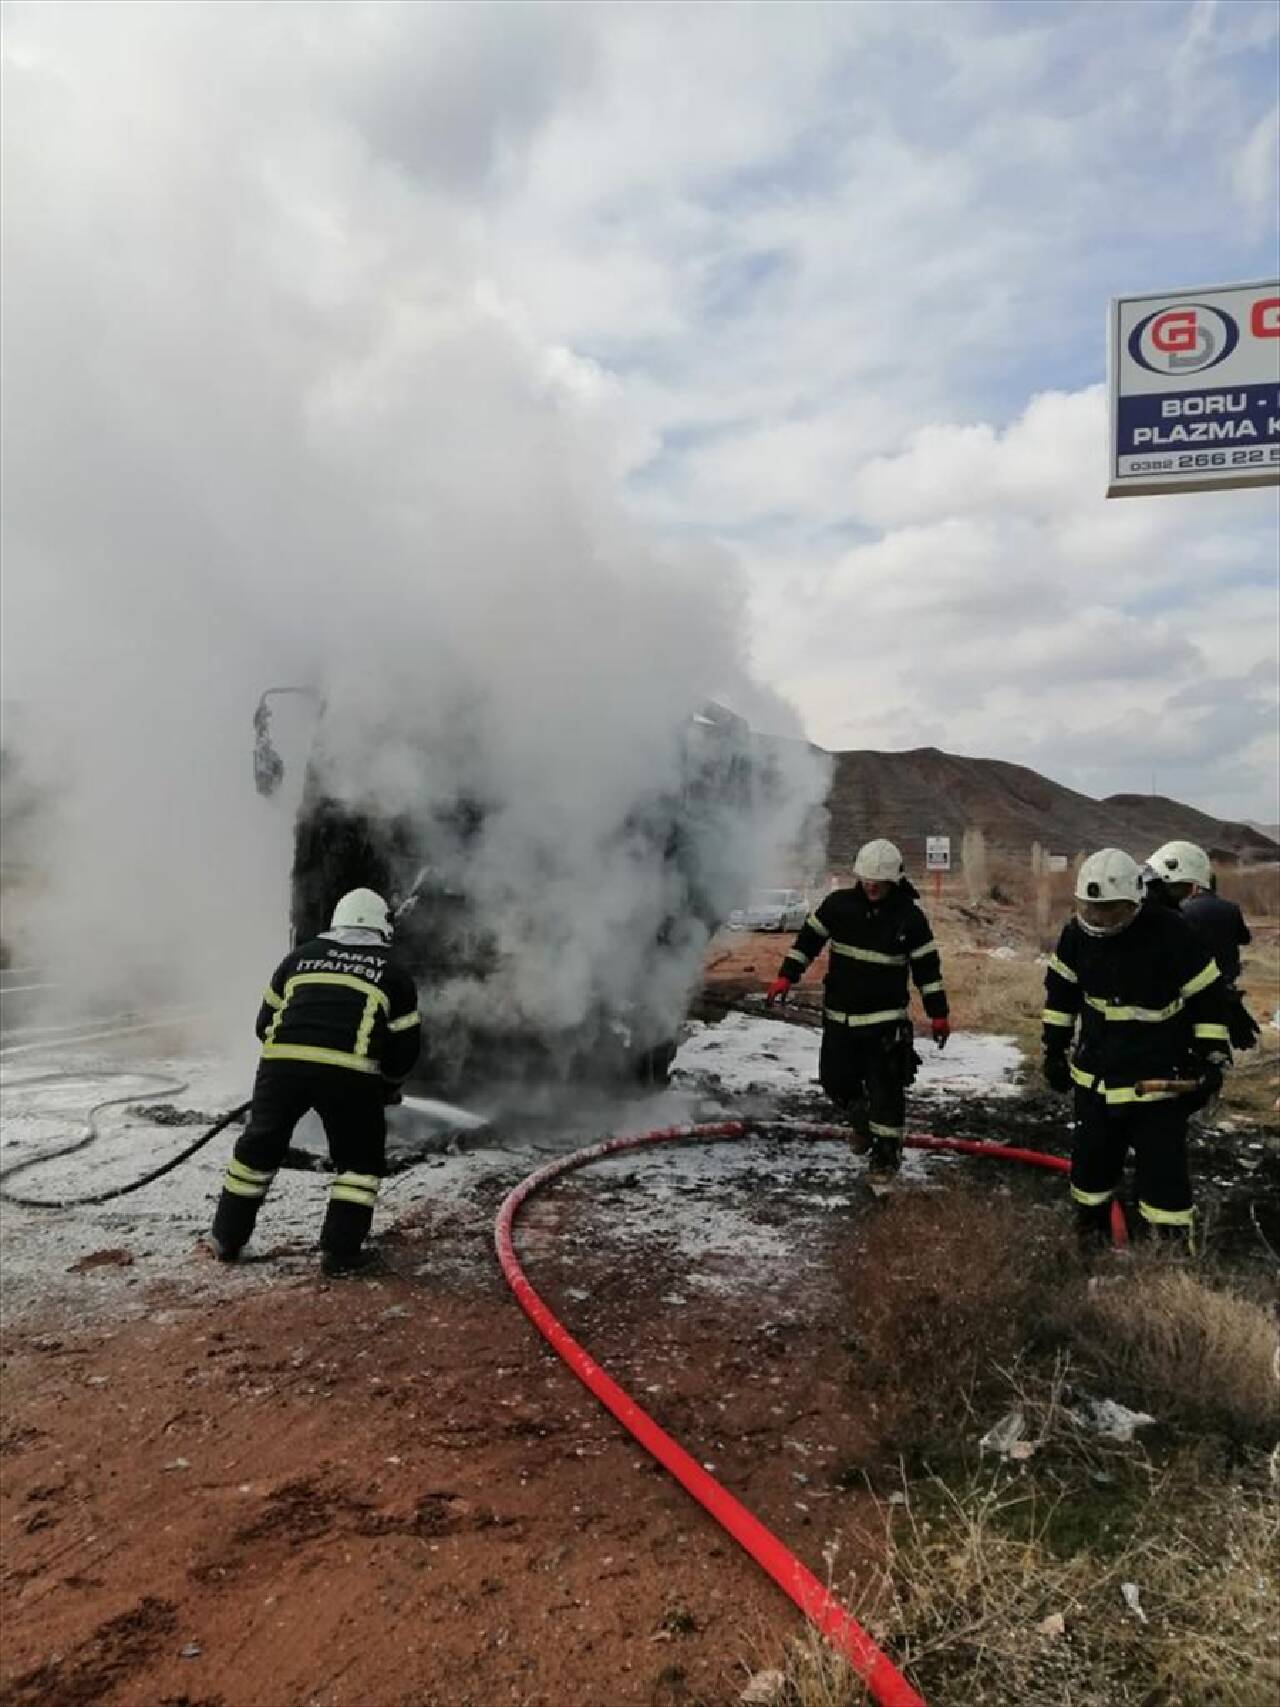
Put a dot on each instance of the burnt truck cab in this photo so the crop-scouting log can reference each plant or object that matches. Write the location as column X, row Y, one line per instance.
column 473, row 1032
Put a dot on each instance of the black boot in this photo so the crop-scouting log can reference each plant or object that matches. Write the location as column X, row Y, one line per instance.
column 346, row 1227
column 233, row 1224
column 1093, row 1228
column 886, row 1159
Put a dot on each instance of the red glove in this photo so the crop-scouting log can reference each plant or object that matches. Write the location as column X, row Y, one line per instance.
column 778, row 991
column 941, row 1029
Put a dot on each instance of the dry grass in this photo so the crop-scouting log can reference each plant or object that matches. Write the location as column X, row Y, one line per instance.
column 1253, row 1086
column 978, row 1603
column 993, row 995
column 942, row 1290
column 1190, row 1350
column 1256, row 891
column 1003, row 1585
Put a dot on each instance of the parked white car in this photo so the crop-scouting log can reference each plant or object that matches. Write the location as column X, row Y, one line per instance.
column 771, row 910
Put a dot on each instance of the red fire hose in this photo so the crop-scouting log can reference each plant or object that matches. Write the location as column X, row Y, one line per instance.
column 887, row 1685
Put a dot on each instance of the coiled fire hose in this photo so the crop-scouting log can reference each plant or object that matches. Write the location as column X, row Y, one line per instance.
column 164, row 1086
column 887, row 1685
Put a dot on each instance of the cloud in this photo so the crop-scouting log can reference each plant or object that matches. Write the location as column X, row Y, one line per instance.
column 1256, row 169
column 1002, row 606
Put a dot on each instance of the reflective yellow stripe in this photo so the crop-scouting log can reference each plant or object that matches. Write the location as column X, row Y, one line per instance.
column 1091, row 1199
column 328, row 1057
column 361, row 1189
column 1062, row 969
column 252, row 1176
column 1151, row 1016
column 815, row 924
column 1202, row 980
column 344, row 980
column 1117, row 1093
column 1055, row 1016
column 1215, row 1033
column 365, row 1031
column 1166, row 1217
column 271, row 999
column 405, row 1021
column 868, row 954
column 795, row 954
column 886, row 1131
column 929, row 947
column 238, row 1188
column 935, row 989
column 864, row 1019
column 367, row 1182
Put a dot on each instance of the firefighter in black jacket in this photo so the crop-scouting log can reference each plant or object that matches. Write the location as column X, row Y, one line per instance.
column 877, row 935
column 1145, row 1004
column 340, row 1031
column 1182, row 877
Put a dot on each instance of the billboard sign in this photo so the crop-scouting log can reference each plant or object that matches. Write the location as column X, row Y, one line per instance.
column 1193, row 382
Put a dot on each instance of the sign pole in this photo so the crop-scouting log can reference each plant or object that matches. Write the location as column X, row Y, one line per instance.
column 937, row 859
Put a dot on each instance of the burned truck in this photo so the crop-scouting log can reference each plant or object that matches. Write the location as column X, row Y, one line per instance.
column 484, row 957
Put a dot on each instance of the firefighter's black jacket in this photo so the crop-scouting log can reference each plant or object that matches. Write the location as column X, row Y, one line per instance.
column 342, row 1004
column 1149, row 1003
column 872, row 950
column 1221, row 924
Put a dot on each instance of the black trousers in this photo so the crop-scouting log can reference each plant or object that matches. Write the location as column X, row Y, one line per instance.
column 861, row 1071
column 1156, row 1132
column 355, row 1124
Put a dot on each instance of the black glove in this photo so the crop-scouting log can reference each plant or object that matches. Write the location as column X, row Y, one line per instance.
column 1057, row 1071
column 1242, row 1028
column 1209, row 1085
column 391, row 1094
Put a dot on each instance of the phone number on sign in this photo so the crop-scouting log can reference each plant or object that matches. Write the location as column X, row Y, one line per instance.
column 1257, row 456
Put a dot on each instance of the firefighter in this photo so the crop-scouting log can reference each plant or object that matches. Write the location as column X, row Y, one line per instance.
column 1135, row 988
column 1182, row 877
column 877, row 935
column 340, row 1031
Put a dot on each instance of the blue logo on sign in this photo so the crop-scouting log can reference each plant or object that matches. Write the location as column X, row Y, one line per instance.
column 1182, row 340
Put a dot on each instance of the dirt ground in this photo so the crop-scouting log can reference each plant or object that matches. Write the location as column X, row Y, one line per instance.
column 386, row 1492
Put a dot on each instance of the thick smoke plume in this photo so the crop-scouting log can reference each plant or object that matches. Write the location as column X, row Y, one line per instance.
column 268, row 423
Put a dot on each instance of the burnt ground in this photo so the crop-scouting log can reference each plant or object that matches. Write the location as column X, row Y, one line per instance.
column 385, row 1492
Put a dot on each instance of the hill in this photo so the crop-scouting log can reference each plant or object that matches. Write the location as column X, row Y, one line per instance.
column 908, row 796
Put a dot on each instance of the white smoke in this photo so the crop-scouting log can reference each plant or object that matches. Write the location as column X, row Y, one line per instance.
column 268, row 422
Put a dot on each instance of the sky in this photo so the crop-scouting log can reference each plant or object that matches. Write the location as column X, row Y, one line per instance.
column 821, row 288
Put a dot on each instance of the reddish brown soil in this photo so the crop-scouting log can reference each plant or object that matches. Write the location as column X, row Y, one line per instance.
column 388, row 1493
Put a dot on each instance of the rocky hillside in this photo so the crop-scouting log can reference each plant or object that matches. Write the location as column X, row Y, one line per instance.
column 908, row 796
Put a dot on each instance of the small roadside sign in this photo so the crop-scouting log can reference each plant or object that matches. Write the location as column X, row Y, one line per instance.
column 937, row 853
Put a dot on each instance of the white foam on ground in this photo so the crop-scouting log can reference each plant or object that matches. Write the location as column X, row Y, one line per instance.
column 751, row 1053
column 687, row 1194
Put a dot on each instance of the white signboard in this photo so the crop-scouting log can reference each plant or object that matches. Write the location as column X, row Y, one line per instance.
column 1057, row 862
column 1194, row 389
column 937, row 853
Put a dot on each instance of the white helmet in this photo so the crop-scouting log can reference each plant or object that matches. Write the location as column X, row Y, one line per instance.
column 1108, row 892
column 879, row 862
column 361, row 909
column 1182, row 862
